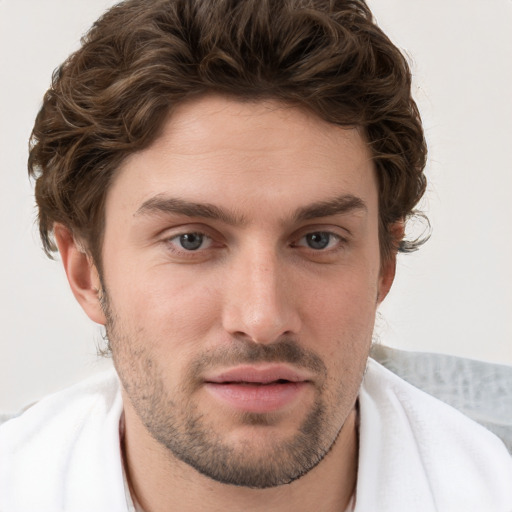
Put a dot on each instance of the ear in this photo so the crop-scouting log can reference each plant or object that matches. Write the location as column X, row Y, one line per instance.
column 388, row 267
column 81, row 272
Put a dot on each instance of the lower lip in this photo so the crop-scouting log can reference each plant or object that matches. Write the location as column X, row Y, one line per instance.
column 256, row 398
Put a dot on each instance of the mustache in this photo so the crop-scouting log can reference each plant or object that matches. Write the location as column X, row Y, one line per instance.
column 248, row 352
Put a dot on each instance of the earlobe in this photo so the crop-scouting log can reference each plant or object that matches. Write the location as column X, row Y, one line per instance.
column 81, row 272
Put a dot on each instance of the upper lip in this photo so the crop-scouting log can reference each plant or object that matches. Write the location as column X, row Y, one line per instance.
column 258, row 374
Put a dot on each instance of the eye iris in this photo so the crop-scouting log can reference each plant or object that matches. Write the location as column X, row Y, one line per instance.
column 318, row 240
column 191, row 241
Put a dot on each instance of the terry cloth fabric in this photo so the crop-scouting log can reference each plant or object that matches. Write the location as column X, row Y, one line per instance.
column 63, row 454
column 419, row 454
column 416, row 453
column 480, row 390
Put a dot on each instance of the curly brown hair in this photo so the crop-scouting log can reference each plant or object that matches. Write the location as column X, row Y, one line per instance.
column 143, row 57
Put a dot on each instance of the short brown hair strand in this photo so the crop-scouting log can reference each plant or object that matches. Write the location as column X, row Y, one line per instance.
column 143, row 57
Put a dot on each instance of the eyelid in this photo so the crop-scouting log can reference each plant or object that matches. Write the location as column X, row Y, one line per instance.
column 169, row 236
column 184, row 229
column 337, row 238
column 338, row 231
column 204, row 237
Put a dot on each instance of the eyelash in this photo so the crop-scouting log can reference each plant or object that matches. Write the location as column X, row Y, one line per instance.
column 179, row 236
column 335, row 243
column 331, row 237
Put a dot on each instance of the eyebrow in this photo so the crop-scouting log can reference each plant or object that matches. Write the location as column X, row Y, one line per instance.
column 343, row 204
column 173, row 205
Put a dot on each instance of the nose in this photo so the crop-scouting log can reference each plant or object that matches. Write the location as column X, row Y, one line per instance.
column 260, row 298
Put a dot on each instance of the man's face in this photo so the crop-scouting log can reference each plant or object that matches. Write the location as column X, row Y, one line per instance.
column 241, row 277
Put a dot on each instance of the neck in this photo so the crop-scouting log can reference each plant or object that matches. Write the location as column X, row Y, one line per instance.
column 159, row 482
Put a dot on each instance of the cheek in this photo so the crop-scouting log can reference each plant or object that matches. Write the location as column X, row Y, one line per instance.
column 343, row 311
column 165, row 308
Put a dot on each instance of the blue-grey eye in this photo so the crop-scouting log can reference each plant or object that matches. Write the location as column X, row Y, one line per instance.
column 319, row 240
column 191, row 241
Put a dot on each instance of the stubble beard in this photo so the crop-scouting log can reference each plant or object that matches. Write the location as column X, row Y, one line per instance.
column 178, row 425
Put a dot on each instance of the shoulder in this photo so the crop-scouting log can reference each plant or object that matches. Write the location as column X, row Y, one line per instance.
column 85, row 402
column 62, row 447
column 416, row 450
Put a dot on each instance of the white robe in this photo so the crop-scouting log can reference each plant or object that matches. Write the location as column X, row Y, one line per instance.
column 416, row 453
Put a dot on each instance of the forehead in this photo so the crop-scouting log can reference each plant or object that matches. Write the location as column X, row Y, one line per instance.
column 233, row 153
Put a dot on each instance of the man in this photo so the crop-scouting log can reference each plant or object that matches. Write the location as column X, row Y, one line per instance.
column 227, row 183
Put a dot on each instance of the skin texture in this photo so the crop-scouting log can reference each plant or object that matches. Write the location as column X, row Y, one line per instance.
column 280, row 272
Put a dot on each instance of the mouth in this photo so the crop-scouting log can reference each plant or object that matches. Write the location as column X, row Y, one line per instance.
column 257, row 389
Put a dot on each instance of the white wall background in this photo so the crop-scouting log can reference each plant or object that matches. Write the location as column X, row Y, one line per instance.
column 454, row 296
